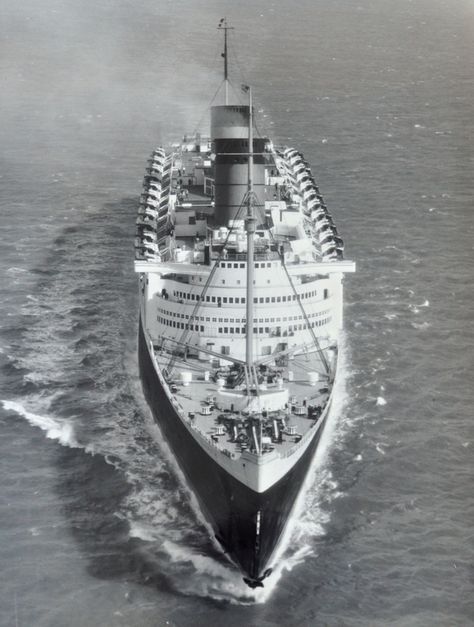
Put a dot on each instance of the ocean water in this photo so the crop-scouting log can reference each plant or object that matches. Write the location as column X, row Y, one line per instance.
column 96, row 526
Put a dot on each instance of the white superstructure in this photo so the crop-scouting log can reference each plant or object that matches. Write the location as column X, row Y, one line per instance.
column 192, row 246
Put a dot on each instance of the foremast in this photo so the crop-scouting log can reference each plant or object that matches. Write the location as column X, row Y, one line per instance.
column 223, row 26
column 250, row 227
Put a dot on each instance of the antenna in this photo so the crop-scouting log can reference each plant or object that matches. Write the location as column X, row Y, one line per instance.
column 223, row 26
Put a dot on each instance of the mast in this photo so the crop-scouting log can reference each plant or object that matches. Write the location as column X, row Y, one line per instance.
column 223, row 26
column 250, row 224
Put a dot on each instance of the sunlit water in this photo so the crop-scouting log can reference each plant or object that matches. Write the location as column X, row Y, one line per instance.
column 96, row 524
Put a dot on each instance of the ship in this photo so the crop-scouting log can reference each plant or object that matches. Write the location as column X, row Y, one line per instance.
column 240, row 268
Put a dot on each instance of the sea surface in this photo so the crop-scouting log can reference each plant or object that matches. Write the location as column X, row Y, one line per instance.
column 96, row 526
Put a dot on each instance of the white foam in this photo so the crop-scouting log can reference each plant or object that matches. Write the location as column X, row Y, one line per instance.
column 142, row 532
column 215, row 579
column 378, row 447
column 15, row 270
column 62, row 431
column 422, row 326
column 381, row 401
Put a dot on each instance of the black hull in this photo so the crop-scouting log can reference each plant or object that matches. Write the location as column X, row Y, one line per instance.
column 229, row 506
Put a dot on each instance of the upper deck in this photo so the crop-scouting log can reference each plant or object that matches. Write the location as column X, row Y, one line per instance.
column 293, row 222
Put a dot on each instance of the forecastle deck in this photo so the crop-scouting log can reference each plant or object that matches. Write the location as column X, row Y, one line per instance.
column 229, row 435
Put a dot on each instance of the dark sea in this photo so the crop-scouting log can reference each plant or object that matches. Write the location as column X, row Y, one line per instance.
column 96, row 526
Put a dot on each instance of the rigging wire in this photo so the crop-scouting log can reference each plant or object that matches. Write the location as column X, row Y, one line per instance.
column 316, row 343
column 190, row 320
column 208, row 107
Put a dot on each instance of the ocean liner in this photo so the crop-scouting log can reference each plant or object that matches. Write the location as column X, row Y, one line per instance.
column 240, row 269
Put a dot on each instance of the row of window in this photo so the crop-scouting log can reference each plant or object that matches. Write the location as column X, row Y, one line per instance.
column 235, row 300
column 176, row 324
column 242, row 265
column 174, row 314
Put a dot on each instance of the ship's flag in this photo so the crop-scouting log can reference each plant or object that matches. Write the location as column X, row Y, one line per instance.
column 245, row 88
